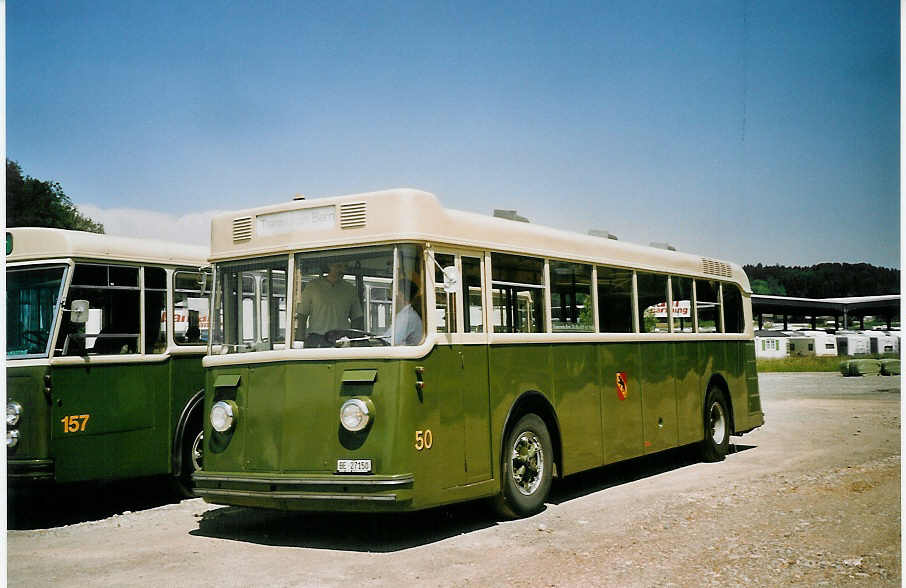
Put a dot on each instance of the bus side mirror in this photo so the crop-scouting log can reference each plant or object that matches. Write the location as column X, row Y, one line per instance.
column 79, row 311
column 451, row 279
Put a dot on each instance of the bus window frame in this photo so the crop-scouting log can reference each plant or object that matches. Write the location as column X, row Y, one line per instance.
column 286, row 257
column 167, row 305
column 431, row 266
column 142, row 355
column 459, row 336
column 172, row 345
column 545, row 322
column 56, row 358
column 395, row 248
column 465, row 297
column 489, row 336
column 592, row 285
column 633, row 300
column 139, row 287
column 68, row 265
column 692, row 304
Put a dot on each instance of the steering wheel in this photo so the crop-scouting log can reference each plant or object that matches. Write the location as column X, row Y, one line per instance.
column 334, row 335
column 34, row 337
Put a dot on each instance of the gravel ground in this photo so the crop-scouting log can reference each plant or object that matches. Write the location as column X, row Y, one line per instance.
column 812, row 498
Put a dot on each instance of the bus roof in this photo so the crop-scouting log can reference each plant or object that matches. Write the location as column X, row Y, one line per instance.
column 413, row 215
column 33, row 243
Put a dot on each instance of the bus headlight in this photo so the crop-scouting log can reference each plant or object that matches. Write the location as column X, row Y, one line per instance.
column 223, row 415
column 13, row 412
column 356, row 413
column 12, row 438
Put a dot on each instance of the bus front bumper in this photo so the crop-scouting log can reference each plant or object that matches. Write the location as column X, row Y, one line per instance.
column 28, row 471
column 326, row 492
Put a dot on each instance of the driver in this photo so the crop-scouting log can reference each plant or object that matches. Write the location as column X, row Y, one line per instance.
column 408, row 328
column 329, row 303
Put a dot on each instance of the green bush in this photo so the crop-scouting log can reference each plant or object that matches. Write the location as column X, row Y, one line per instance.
column 890, row 367
column 860, row 367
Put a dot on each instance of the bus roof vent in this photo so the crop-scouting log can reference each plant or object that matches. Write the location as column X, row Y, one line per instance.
column 352, row 215
column 716, row 268
column 242, row 229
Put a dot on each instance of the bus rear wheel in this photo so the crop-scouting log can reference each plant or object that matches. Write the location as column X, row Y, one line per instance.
column 716, row 443
column 528, row 464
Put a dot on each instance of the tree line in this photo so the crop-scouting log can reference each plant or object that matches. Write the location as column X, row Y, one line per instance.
column 823, row 280
column 31, row 202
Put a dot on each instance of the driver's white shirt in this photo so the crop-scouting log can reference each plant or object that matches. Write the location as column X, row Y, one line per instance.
column 408, row 328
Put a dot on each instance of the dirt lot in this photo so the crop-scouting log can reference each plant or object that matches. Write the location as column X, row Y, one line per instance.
column 812, row 498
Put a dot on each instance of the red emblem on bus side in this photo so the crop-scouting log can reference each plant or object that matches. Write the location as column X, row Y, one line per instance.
column 622, row 389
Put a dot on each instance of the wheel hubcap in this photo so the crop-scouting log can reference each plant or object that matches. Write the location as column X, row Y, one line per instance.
column 527, row 462
column 718, row 423
column 198, row 452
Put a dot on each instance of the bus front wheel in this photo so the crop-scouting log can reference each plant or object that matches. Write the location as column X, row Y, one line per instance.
column 528, row 464
column 717, row 426
column 192, row 458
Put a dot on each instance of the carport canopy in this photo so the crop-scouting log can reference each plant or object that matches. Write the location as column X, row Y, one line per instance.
column 887, row 306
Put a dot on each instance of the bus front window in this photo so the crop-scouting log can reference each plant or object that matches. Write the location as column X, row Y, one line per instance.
column 351, row 297
column 32, row 299
column 250, row 306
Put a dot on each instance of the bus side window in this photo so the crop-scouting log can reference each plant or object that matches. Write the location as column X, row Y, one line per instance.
column 682, row 304
column 707, row 306
column 571, row 302
column 114, row 310
column 190, row 307
column 517, row 287
column 473, row 314
column 444, row 302
column 732, row 301
column 155, row 310
column 614, row 300
column 652, row 303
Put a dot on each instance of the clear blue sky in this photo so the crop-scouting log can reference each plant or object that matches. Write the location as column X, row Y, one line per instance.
column 751, row 131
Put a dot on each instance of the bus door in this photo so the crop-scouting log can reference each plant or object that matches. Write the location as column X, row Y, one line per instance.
column 657, row 357
column 110, row 391
column 462, row 354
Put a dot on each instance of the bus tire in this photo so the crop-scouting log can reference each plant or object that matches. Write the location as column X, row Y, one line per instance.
column 716, row 443
column 528, row 464
column 192, row 457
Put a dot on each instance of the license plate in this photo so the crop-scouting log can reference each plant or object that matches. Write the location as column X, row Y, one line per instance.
column 354, row 466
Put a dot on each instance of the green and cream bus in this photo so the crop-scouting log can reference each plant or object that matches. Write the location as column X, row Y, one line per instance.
column 489, row 355
column 104, row 341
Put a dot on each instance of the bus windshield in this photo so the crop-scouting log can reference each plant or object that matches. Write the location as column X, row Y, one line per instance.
column 362, row 297
column 33, row 297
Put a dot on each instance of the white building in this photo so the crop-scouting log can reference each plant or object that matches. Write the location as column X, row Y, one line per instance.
column 813, row 343
column 771, row 345
column 882, row 342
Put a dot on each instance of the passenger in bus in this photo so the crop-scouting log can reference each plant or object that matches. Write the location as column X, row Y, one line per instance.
column 193, row 334
column 408, row 328
column 329, row 303
column 72, row 336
